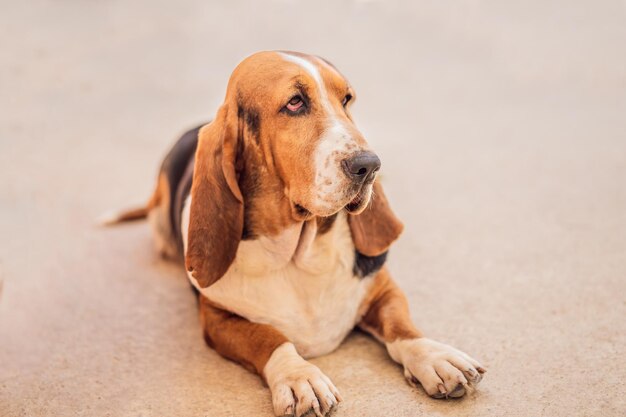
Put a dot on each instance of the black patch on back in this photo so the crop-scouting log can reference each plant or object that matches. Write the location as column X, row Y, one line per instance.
column 366, row 265
column 175, row 165
column 179, row 167
column 177, row 206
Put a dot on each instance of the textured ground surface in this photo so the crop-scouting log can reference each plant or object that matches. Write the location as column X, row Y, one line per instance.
column 502, row 130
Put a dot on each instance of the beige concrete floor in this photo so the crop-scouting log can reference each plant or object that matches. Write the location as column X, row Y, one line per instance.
column 502, row 130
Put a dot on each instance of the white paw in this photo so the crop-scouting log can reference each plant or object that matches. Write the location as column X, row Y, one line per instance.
column 298, row 387
column 442, row 370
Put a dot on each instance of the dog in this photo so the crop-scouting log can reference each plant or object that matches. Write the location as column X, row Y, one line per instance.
column 284, row 231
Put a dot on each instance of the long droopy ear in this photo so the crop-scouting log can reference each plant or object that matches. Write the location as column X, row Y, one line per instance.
column 377, row 227
column 216, row 216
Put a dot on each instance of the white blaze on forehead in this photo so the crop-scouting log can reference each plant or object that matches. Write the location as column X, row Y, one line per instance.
column 335, row 140
column 313, row 72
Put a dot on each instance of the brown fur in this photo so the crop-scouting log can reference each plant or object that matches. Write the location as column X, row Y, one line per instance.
column 252, row 163
column 132, row 214
column 250, row 344
column 386, row 311
column 216, row 216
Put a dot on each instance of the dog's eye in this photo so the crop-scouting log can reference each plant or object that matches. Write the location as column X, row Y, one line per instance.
column 295, row 104
column 346, row 100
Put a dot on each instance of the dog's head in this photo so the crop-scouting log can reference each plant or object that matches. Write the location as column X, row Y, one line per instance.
column 285, row 121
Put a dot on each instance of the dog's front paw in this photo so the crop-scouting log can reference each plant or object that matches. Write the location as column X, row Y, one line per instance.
column 298, row 387
column 442, row 370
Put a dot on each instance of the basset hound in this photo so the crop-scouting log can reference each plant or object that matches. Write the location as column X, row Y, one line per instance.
column 284, row 232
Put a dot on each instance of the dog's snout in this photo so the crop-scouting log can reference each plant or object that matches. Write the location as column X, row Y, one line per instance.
column 361, row 166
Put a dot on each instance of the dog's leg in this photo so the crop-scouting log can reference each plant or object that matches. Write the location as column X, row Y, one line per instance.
column 442, row 370
column 298, row 387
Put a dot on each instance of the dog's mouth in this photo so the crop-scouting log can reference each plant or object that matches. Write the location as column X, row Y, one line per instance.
column 358, row 203
column 355, row 206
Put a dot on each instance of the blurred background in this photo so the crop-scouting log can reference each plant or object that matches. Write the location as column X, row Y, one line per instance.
column 502, row 130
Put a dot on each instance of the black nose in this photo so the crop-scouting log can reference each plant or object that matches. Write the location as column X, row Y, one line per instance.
column 361, row 166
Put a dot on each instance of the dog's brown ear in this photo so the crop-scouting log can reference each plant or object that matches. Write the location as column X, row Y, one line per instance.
column 377, row 227
column 216, row 215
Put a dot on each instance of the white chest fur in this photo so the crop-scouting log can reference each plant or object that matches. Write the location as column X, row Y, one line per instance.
column 299, row 282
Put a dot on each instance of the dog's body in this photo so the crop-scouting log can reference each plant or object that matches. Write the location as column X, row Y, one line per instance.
column 271, row 206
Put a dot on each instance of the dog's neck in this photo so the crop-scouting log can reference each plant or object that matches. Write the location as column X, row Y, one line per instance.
column 300, row 244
